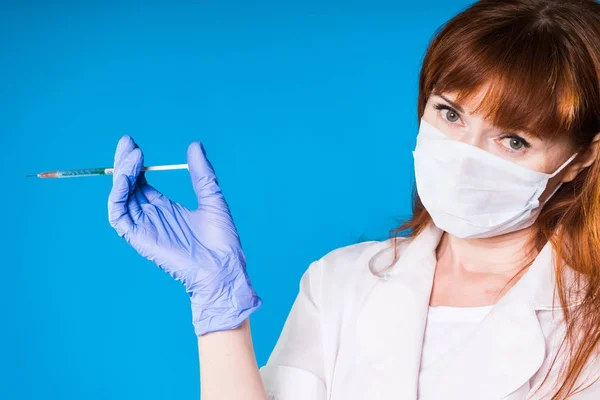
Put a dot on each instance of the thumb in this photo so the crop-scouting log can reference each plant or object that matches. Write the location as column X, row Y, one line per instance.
column 203, row 175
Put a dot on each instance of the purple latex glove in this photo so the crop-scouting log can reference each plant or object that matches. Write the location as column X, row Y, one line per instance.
column 201, row 248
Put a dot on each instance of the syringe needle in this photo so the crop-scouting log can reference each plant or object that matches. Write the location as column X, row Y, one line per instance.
column 78, row 173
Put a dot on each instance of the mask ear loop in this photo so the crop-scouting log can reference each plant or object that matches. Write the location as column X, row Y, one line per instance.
column 565, row 164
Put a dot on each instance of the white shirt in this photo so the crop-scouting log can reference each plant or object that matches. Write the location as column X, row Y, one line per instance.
column 446, row 331
column 352, row 335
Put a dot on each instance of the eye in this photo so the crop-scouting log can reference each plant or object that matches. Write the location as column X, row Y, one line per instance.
column 514, row 142
column 452, row 116
column 448, row 113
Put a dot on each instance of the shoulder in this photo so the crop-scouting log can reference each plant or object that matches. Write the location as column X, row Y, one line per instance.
column 357, row 257
column 351, row 256
column 355, row 265
column 337, row 283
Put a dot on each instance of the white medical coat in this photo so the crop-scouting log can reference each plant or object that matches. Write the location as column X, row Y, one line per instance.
column 353, row 336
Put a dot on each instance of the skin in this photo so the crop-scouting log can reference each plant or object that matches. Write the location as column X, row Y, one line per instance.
column 228, row 369
column 482, row 268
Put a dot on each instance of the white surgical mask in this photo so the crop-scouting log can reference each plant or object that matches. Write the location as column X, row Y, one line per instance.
column 471, row 193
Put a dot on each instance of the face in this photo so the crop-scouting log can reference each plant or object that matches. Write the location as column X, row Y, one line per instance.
column 459, row 122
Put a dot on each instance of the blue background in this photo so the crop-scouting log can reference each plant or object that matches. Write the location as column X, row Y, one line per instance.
column 307, row 111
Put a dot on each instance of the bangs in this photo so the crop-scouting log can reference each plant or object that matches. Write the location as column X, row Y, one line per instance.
column 523, row 78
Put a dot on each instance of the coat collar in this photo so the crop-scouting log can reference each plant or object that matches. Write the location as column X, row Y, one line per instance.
column 538, row 284
column 503, row 354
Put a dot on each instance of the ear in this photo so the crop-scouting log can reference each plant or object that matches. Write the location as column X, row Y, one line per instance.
column 583, row 160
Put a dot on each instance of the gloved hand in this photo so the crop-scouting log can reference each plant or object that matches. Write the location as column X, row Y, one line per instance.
column 201, row 248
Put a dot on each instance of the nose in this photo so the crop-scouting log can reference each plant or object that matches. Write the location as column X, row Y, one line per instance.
column 473, row 135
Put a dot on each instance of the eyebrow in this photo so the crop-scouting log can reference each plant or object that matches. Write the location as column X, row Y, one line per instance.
column 453, row 104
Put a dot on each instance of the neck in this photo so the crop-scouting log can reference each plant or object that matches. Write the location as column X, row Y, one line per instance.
column 500, row 255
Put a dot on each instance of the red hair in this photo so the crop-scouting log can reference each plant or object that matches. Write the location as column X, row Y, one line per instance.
column 539, row 62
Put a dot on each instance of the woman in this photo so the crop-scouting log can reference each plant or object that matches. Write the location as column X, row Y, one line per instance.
column 495, row 291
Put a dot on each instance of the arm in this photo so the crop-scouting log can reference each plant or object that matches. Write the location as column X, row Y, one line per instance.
column 228, row 368
column 295, row 369
column 201, row 249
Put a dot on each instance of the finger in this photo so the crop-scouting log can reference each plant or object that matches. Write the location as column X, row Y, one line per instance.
column 151, row 195
column 118, row 212
column 123, row 211
column 131, row 166
column 141, row 181
column 148, row 194
column 124, row 147
column 134, row 207
column 203, row 175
